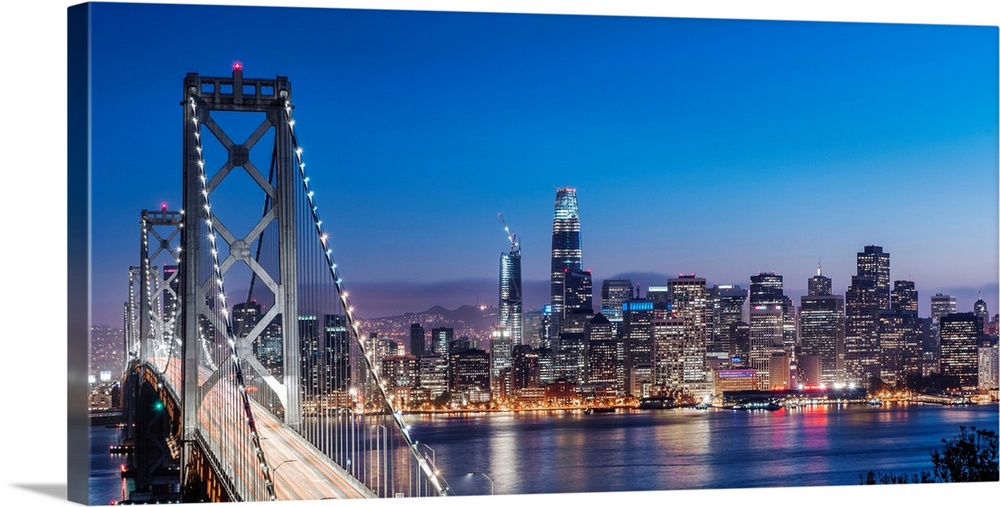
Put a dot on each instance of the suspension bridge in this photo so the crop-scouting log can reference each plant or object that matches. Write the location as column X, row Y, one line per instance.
column 248, row 376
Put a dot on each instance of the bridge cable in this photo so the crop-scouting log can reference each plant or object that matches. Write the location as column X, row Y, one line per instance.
column 353, row 327
column 244, row 397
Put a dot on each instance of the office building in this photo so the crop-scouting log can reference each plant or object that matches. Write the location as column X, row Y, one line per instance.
column 725, row 304
column 510, row 293
column 689, row 302
column 637, row 338
column 873, row 263
column 567, row 253
column 960, row 350
column 821, row 327
column 418, row 340
column 941, row 305
column 613, row 294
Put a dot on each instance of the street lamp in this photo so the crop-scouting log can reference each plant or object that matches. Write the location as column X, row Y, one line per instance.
column 476, row 472
column 275, row 469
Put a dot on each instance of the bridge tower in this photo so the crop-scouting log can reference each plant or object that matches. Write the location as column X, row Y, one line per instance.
column 158, row 297
column 205, row 99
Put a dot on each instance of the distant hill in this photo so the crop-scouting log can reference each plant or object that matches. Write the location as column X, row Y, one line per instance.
column 475, row 322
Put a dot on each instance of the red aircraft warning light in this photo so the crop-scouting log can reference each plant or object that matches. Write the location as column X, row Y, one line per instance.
column 237, row 66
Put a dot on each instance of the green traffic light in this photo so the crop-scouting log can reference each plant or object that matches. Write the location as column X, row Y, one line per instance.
column 158, row 406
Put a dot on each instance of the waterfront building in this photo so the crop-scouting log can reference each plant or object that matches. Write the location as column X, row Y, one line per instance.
column 434, row 375
column 779, row 371
column 960, row 350
column 861, row 351
column 567, row 253
column 900, row 336
column 401, row 371
column 689, row 302
column 570, row 361
column 989, row 367
column 501, row 348
column 821, row 327
column 605, row 356
column 735, row 379
column 525, row 374
column 766, row 330
column 637, row 336
column 900, row 346
column 469, row 374
column 668, row 352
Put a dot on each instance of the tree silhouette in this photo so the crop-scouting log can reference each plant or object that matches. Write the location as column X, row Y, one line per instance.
column 969, row 457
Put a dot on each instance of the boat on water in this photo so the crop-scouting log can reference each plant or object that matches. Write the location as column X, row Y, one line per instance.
column 758, row 405
column 701, row 406
column 874, row 402
column 599, row 410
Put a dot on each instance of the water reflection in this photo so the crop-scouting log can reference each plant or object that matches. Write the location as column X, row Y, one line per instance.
column 690, row 449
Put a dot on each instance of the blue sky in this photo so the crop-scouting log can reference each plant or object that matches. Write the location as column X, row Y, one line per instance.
column 719, row 147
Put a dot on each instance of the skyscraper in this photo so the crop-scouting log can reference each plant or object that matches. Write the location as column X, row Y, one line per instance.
column 637, row 338
column 579, row 293
column 766, row 322
column 690, row 303
column 960, row 350
column 941, row 305
column 418, row 340
column 510, row 293
column 767, row 289
column 604, row 355
column 861, row 352
column 725, row 304
column 613, row 294
column 821, row 324
column 567, row 254
column 874, row 263
column 900, row 333
column 865, row 298
column 440, row 338
column 768, row 306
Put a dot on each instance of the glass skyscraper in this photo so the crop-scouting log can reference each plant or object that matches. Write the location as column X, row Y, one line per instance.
column 566, row 251
column 510, row 293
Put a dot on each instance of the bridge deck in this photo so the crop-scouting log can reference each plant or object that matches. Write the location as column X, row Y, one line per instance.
column 299, row 470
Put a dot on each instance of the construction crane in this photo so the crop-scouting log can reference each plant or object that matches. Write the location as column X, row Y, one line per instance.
column 514, row 247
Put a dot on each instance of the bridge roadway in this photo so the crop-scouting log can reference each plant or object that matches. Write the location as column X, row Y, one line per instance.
column 298, row 469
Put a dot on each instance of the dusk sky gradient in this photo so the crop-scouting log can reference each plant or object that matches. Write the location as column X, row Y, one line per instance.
column 717, row 147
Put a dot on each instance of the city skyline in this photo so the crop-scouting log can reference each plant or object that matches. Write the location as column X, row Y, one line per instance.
column 707, row 153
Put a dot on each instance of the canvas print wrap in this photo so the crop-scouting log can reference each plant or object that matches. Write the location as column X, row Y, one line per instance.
column 339, row 254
